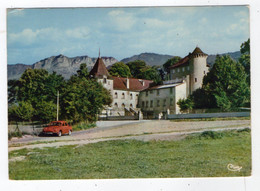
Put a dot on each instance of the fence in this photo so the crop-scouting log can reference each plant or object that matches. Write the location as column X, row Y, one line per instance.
column 26, row 128
column 208, row 115
column 115, row 118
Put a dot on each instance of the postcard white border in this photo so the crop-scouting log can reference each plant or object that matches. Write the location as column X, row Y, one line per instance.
column 238, row 184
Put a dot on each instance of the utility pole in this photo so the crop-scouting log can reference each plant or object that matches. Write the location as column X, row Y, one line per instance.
column 58, row 106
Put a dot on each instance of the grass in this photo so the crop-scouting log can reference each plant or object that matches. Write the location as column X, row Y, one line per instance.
column 204, row 154
column 83, row 126
column 212, row 119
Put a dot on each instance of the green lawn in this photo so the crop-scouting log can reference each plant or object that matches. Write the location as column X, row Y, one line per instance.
column 199, row 155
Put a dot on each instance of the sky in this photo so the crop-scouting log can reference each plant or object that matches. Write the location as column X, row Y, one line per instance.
column 35, row 34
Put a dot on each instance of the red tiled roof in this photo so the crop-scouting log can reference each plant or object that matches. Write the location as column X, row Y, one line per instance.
column 99, row 69
column 185, row 60
column 134, row 84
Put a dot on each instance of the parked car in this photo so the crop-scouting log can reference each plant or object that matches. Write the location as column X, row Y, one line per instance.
column 57, row 127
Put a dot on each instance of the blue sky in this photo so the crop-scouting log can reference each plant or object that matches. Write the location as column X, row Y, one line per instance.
column 34, row 34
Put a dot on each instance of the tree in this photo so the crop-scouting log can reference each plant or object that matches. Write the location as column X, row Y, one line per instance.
column 151, row 73
column 45, row 111
column 171, row 62
column 13, row 87
column 32, row 86
column 23, row 111
column 245, row 58
column 83, row 71
column 84, row 99
column 139, row 69
column 226, row 81
column 136, row 67
column 185, row 104
column 120, row 69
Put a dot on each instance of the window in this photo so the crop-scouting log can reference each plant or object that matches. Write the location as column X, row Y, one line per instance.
column 105, row 80
column 108, row 82
column 131, row 105
column 146, row 103
column 173, row 71
column 158, row 92
column 195, row 79
column 183, row 69
column 123, row 95
column 142, row 104
column 164, row 102
column 131, row 96
column 188, row 68
column 151, row 103
column 171, row 90
column 116, row 105
column 116, row 96
column 178, row 70
column 123, row 105
column 171, row 101
column 204, row 72
column 146, row 93
column 151, row 91
column 158, row 103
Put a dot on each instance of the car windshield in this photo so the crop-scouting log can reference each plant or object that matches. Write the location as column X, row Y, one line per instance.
column 55, row 124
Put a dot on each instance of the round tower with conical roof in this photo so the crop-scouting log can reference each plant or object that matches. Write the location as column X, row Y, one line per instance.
column 199, row 68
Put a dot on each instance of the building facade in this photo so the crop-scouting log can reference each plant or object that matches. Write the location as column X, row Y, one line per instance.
column 185, row 77
column 124, row 91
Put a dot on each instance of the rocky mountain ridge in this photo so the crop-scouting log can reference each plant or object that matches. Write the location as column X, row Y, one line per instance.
column 67, row 66
column 61, row 64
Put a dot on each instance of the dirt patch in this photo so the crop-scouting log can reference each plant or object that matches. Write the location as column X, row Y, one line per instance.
column 14, row 159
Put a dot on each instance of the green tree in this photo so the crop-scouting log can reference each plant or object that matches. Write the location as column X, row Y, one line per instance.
column 245, row 58
column 83, row 71
column 13, row 87
column 136, row 67
column 22, row 112
column 32, row 86
column 226, row 81
column 120, row 69
column 171, row 62
column 151, row 73
column 45, row 111
column 185, row 104
column 84, row 99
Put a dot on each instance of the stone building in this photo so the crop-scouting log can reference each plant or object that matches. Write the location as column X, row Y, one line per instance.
column 185, row 77
column 124, row 91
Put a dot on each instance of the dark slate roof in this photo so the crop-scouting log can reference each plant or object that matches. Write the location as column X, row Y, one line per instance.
column 198, row 51
column 185, row 60
column 99, row 69
column 119, row 83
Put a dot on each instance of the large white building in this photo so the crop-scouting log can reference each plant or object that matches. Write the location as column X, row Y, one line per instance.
column 125, row 91
column 130, row 95
column 185, row 77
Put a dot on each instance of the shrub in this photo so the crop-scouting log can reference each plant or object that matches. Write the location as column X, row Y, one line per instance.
column 83, row 126
column 211, row 135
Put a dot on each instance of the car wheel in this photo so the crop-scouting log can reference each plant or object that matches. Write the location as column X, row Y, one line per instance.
column 69, row 132
column 59, row 134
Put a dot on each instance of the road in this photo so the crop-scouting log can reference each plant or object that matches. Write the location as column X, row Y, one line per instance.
column 141, row 130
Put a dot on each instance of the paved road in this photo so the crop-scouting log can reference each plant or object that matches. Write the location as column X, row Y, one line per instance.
column 101, row 126
column 141, row 130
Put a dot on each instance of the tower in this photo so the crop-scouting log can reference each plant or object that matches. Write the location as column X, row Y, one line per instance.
column 199, row 68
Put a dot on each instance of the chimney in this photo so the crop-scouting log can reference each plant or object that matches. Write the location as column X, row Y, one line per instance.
column 143, row 82
column 127, row 83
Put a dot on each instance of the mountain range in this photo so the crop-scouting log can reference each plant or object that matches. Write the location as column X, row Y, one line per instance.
column 68, row 66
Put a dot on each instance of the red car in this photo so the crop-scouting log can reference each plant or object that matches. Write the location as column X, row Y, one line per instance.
column 58, row 127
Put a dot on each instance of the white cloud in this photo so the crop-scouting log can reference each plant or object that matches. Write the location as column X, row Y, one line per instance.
column 15, row 12
column 29, row 36
column 80, row 32
column 122, row 20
